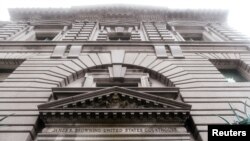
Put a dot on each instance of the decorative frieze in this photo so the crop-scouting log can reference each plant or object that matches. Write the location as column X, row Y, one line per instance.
column 115, row 103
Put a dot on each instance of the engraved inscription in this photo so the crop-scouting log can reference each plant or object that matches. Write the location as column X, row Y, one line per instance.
column 114, row 130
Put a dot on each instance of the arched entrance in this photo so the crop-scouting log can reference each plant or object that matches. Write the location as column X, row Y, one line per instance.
column 138, row 108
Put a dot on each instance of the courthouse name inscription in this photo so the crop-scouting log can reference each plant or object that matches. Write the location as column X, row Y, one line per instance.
column 114, row 130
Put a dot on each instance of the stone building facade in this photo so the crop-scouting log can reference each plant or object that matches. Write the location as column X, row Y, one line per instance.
column 119, row 73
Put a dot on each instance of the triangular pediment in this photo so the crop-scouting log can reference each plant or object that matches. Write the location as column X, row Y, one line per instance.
column 115, row 98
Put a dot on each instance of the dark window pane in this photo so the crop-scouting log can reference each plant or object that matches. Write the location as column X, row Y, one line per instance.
column 4, row 73
column 44, row 38
column 232, row 75
column 117, row 84
column 192, row 37
column 119, row 35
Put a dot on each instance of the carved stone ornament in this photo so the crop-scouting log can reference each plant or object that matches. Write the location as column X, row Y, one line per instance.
column 113, row 104
column 114, row 97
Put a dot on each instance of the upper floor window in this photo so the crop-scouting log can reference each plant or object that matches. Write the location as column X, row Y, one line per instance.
column 192, row 37
column 232, row 75
column 4, row 73
column 232, row 70
column 41, row 33
column 124, row 84
column 119, row 36
column 7, row 66
column 45, row 36
column 118, row 33
column 117, row 75
column 45, row 33
column 193, row 31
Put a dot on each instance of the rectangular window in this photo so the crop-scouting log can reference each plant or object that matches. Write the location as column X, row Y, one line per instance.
column 232, row 75
column 195, row 33
column 119, row 36
column 117, row 84
column 192, row 37
column 4, row 73
column 46, row 36
column 232, row 70
column 42, row 33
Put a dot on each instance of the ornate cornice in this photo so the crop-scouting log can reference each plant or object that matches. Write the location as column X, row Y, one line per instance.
column 125, row 91
column 112, row 12
column 109, row 103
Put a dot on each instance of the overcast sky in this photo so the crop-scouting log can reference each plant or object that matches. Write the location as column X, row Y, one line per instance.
column 239, row 10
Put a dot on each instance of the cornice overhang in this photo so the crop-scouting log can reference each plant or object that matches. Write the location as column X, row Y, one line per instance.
column 107, row 12
column 169, row 92
column 104, row 103
column 98, row 93
column 115, row 43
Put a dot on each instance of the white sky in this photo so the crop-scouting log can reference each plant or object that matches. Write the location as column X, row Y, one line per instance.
column 239, row 10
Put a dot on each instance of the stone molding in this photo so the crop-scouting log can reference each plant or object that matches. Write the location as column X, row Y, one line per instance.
column 117, row 12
